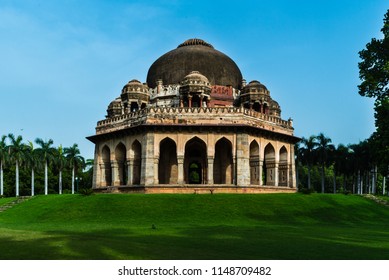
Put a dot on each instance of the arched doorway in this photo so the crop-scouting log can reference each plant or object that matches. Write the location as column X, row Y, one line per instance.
column 120, row 157
column 106, row 166
column 195, row 173
column 137, row 157
column 254, row 163
column 195, row 161
column 283, row 167
column 167, row 166
column 269, row 165
column 222, row 167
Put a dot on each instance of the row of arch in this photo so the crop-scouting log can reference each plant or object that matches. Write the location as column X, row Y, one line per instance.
column 124, row 166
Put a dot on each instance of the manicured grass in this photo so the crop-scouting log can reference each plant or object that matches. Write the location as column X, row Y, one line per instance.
column 5, row 200
column 269, row 226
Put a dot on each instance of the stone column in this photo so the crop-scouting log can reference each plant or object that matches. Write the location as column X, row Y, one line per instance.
column 189, row 101
column 234, row 181
column 130, row 171
column 276, row 174
column 242, row 160
column 292, row 169
column 180, row 162
column 102, row 180
column 156, row 179
column 210, row 170
column 115, row 173
column 147, row 165
column 260, row 172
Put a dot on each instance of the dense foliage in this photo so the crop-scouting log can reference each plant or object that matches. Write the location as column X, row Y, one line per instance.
column 28, row 170
column 354, row 168
column 374, row 75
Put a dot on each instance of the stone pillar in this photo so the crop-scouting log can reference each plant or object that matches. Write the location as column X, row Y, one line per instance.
column 189, row 101
column 96, row 180
column 180, row 162
column 156, row 179
column 242, row 160
column 201, row 100
column 130, row 171
column 102, row 180
column 210, row 170
column 292, row 168
column 147, row 165
column 115, row 173
column 181, row 102
column 234, row 181
column 276, row 174
column 260, row 172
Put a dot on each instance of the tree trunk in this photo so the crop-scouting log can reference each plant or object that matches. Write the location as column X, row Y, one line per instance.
column 322, row 178
column 17, row 178
column 32, row 182
column 46, row 182
column 334, row 182
column 383, row 186
column 309, row 177
column 359, row 182
column 60, row 182
column 73, row 180
column 297, row 176
column 1, row 179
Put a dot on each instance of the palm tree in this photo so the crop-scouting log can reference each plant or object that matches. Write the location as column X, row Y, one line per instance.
column 340, row 158
column 46, row 153
column 307, row 153
column 3, row 158
column 33, row 162
column 60, row 161
column 323, row 148
column 75, row 160
column 17, row 152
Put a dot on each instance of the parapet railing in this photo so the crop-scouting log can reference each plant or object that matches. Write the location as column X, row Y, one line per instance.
column 140, row 116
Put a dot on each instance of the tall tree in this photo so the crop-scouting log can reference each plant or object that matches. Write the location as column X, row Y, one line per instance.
column 307, row 153
column 3, row 158
column 46, row 152
column 323, row 148
column 75, row 160
column 17, row 152
column 33, row 162
column 374, row 75
column 60, row 161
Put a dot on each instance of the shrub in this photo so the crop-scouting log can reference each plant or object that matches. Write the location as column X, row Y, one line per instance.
column 85, row 191
column 306, row 191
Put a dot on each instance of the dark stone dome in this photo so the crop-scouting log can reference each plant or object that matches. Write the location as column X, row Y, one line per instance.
column 195, row 55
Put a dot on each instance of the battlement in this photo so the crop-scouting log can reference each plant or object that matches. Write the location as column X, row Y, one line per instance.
column 226, row 116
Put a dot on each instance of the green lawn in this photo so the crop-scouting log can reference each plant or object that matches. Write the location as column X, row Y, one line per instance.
column 268, row 226
column 5, row 200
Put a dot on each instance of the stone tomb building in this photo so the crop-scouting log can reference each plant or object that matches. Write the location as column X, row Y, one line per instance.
column 195, row 126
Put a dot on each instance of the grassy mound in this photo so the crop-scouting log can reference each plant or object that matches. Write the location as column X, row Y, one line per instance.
column 273, row 226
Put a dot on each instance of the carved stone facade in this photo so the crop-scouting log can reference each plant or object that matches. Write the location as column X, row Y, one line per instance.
column 193, row 135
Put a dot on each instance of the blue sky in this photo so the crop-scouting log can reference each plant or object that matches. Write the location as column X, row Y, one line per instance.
column 62, row 62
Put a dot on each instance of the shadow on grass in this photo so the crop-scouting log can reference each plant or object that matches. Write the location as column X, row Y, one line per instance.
column 223, row 242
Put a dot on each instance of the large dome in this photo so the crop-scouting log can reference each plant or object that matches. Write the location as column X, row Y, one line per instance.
column 195, row 55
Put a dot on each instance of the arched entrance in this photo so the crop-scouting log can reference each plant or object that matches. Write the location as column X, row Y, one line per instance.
column 195, row 173
column 283, row 167
column 167, row 166
column 195, row 159
column 254, row 163
column 269, row 165
column 137, row 157
column 222, row 167
column 120, row 157
column 106, row 167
